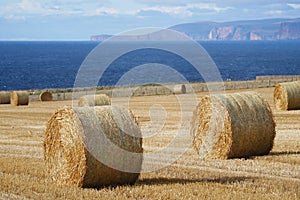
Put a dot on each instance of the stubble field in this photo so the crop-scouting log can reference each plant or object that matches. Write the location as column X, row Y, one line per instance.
column 275, row 176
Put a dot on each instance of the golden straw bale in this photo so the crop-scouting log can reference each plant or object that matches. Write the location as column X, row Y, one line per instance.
column 93, row 146
column 179, row 89
column 5, row 97
column 18, row 98
column 46, row 96
column 232, row 126
column 287, row 96
column 94, row 100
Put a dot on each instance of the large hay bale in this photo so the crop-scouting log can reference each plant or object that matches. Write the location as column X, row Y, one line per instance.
column 5, row 97
column 93, row 146
column 232, row 126
column 287, row 96
column 18, row 98
column 46, row 96
column 179, row 89
column 94, row 100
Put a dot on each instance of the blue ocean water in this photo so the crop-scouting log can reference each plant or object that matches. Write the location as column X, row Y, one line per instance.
column 40, row 65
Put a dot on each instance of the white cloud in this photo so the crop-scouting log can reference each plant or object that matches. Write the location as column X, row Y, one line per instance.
column 30, row 6
column 221, row 3
column 170, row 11
column 103, row 11
column 207, row 6
column 180, row 9
column 33, row 7
column 174, row 10
column 12, row 17
column 188, row 10
column 108, row 11
column 295, row 6
column 274, row 12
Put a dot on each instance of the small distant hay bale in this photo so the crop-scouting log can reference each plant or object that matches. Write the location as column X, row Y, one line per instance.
column 163, row 90
column 5, row 97
column 287, row 96
column 19, row 98
column 46, row 96
column 94, row 100
column 93, row 146
column 179, row 89
column 232, row 126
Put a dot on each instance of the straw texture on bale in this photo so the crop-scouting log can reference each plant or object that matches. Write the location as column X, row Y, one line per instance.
column 179, row 89
column 82, row 146
column 232, row 126
column 94, row 100
column 18, row 98
column 5, row 97
column 287, row 96
column 46, row 96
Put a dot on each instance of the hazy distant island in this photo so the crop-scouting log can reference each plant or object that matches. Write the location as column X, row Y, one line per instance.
column 268, row 29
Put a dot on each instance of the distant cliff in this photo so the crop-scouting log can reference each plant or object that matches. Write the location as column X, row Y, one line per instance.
column 233, row 33
column 289, row 30
column 100, row 37
column 270, row 29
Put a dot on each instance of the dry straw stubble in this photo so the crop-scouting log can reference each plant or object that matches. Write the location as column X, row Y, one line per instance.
column 287, row 96
column 232, row 126
column 18, row 98
column 93, row 146
column 94, row 100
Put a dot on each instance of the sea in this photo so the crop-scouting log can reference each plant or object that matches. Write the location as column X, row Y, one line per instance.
column 26, row 65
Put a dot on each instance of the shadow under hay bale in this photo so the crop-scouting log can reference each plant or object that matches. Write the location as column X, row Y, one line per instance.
column 46, row 96
column 5, row 97
column 94, row 100
column 19, row 98
column 179, row 89
column 287, row 96
column 93, row 146
column 232, row 126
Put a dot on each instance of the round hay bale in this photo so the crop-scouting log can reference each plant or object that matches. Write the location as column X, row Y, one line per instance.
column 18, row 98
column 179, row 89
column 5, row 97
column 232, row 126
column 46, row 96
column 163, row 90
column 94, row 100
column 287, row 96
column 93, row 146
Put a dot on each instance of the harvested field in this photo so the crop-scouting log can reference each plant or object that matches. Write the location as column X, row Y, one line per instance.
column 274, row 176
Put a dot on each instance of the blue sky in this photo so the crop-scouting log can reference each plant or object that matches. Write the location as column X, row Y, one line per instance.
column 79, row 19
